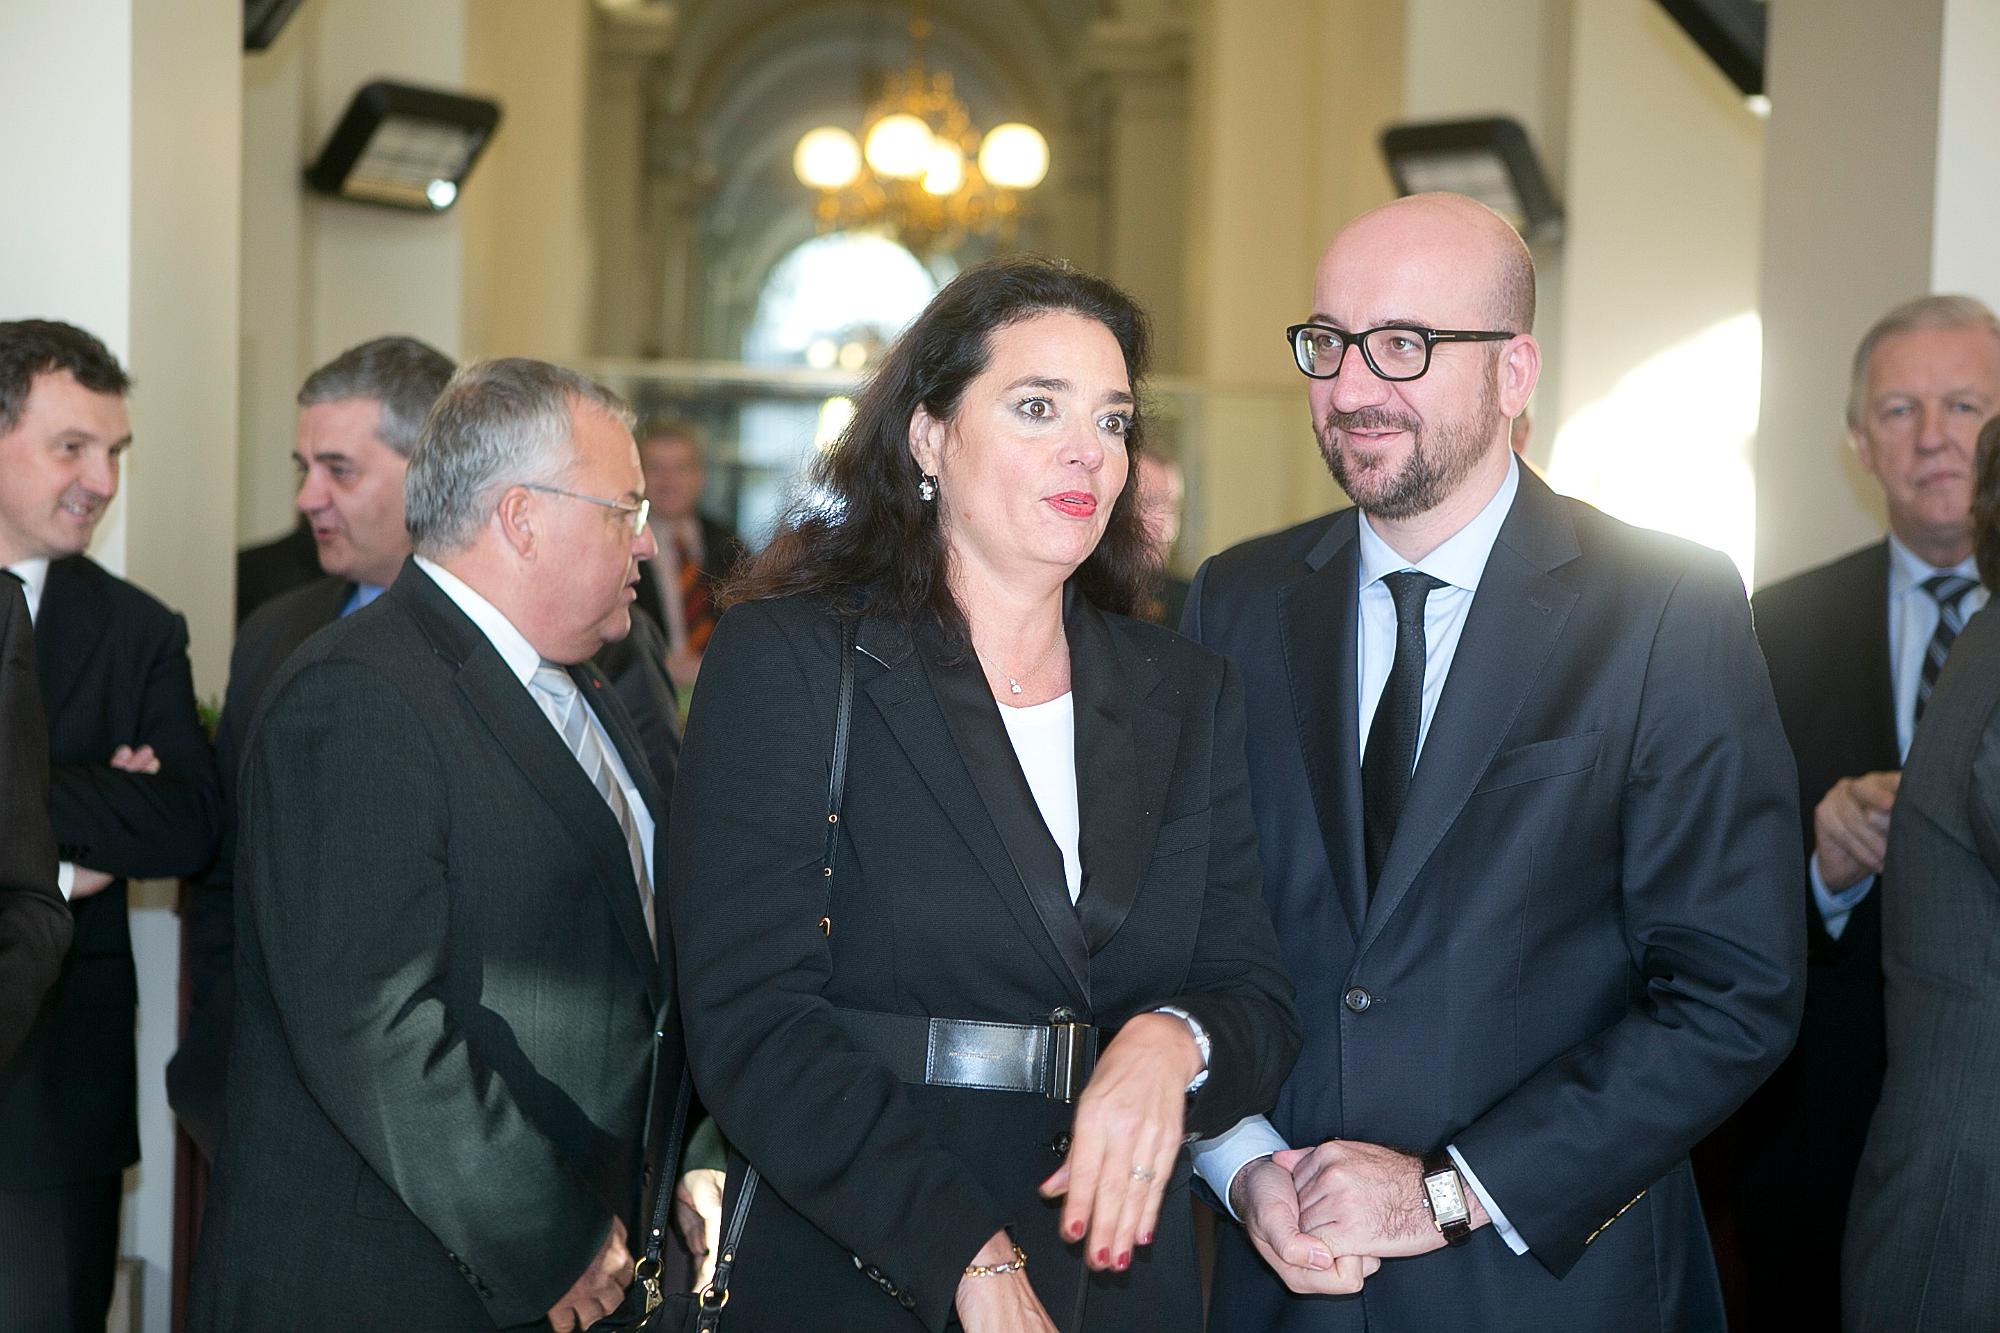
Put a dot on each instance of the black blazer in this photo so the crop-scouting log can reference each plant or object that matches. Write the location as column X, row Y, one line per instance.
column 1584, row 949
column 947, row 900
column 722, row 551
column 114, row 671
column 34, row 923
column 635, row 667
column 446, row 1000
column 1924, row 1230
column 1825, row 633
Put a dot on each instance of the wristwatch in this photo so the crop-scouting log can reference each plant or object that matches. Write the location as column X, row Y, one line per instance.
column 1444, row 1193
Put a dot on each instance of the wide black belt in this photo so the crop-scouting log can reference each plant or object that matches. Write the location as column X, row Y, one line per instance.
column 1053, row 1058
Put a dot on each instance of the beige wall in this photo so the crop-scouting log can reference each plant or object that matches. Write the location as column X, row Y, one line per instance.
column 1658, row 353
column 527, row 259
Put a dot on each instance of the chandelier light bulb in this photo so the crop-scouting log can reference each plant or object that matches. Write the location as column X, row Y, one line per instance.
column 827, row 158
column 944, row 170
column 1014, row 156
column 899, row 146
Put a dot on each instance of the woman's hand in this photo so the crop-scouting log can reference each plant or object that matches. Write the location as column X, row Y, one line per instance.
column 698, row 1216
column 1126, row 1137
column 1000, row 1302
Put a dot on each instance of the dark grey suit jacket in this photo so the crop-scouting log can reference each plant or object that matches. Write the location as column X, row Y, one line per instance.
column 1923, row 1234
column 635, row 667
column 1585, row 947
column 34, row 920
column 446, row 1001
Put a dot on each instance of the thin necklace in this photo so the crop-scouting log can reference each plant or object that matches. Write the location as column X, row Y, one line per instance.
column 1014, row 682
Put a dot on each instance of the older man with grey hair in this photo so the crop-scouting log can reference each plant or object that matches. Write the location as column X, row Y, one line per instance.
column 1854, row 647
column 448, row 981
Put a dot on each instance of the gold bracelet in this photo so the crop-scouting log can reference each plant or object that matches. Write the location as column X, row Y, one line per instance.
column 1017, row 1264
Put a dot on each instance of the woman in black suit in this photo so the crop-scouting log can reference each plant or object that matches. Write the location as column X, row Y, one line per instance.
column 1045, row 848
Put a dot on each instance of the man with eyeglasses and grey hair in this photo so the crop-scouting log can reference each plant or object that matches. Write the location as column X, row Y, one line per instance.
column 448, row 975
column 1523, row 810
column 1854, row 646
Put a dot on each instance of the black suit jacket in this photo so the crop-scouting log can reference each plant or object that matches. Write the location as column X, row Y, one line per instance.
column 114, row 671
column 34, row 922
column 635, row 667
column 1584, row 948
column 721, row 552
column 446, row 1000
column 1924, row 1232
column 948, row 900
column 274, row 568
column 1825, row 633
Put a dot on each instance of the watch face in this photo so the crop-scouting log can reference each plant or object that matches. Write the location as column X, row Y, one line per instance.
column 1447, row 1199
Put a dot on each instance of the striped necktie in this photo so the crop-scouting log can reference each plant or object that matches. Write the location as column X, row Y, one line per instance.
column 1948, row 591
column 566, row 708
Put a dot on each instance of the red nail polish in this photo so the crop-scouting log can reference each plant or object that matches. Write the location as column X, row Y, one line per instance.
column 1124, row 1262
column 1074, row 1231
column 1146, row 1239
column 1104, row 1255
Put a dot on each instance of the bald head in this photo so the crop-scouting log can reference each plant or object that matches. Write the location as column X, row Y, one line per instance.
column 1449, row 245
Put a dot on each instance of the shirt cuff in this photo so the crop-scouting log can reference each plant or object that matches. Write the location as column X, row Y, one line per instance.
column 1218, row 1160
column 1836, row 905
column 65, row 877
column 1201, row 1042
column 1499, row 1219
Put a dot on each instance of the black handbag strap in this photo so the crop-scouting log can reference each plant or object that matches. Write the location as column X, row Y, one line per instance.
column 716, row 1294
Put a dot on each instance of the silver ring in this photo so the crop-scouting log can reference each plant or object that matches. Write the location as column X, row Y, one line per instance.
column 1143, row 1173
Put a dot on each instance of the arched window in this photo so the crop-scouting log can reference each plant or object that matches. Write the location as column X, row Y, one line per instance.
column 837, row 300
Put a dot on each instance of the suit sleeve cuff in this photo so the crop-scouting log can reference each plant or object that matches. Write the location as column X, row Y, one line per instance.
column 1218, row 1160
column 65, row 878
column 1836, row 905
column 1499, row 1219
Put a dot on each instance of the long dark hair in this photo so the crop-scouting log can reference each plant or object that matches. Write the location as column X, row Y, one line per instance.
column 864, row 538
column 1986, row 505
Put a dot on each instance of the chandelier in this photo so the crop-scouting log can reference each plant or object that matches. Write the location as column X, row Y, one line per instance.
column 920, row 170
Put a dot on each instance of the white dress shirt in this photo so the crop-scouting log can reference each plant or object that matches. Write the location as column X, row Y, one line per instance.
column 522, row 659
column 34, row 576
column 1913, row 618
column 1044, row 737
column 1458, row 563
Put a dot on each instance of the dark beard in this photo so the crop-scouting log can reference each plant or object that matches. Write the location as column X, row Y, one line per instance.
column 1441, row 456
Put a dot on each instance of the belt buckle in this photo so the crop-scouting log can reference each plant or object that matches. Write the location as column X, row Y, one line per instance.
column 1067, row 1052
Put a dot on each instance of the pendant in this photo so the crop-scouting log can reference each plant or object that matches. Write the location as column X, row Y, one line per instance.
column 1013, row 685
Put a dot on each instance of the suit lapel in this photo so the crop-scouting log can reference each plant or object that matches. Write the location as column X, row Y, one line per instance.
column 520, row 727
column 1318, row 625
column 924, row 709
column 1516, row 617
column 1124, row 757
column 69, row 624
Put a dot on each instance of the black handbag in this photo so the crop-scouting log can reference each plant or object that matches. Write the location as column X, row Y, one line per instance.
column 701, row 1312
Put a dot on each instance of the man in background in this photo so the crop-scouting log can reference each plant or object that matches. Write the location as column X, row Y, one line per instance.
column 134, row 796
column 1161, row 494
column 1854, row 647
column 697, row 554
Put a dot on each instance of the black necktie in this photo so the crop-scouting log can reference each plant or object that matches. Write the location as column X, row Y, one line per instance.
column 1947, row 590
column 1392, row 737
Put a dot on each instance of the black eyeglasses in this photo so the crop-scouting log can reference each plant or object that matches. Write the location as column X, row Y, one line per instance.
column 1394, row 352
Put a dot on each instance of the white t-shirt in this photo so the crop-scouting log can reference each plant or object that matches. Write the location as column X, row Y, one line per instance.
column 1044, row 737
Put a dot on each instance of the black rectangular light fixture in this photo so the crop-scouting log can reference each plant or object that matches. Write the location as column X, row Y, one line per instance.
column 262, row 21
column 1731, row 32
column 1489, row 159
column 404, row 147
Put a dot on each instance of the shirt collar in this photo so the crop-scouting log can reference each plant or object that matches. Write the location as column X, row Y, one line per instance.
column 34, row 577
column 1461, row 558
column 1907, row 569
column 510, row 643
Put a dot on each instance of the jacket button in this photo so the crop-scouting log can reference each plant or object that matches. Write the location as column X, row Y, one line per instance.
column 1059, row 1145
column 909, row 1301
column 1357, row 999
